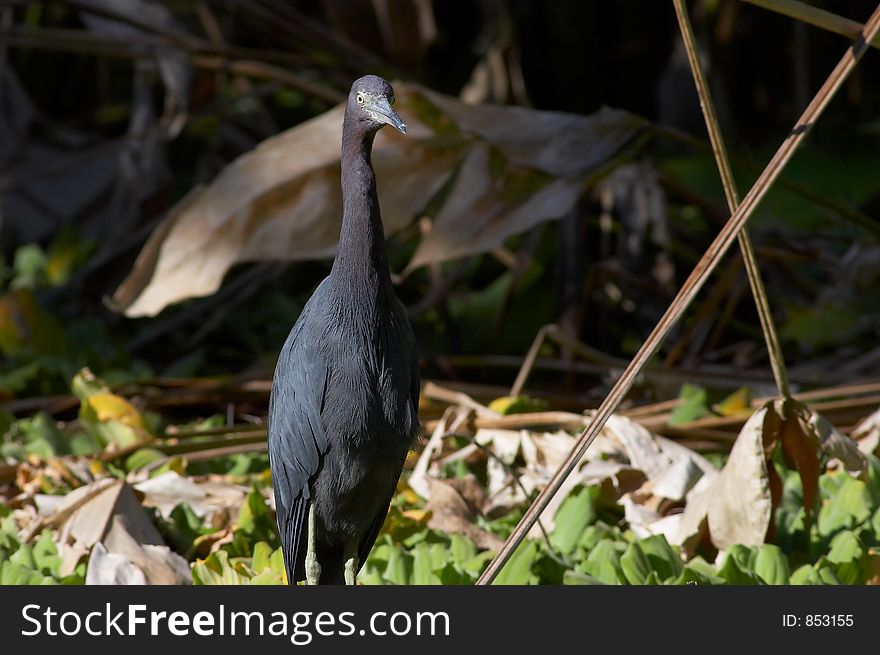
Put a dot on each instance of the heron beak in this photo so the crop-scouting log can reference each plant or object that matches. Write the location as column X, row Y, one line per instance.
column 383, row 113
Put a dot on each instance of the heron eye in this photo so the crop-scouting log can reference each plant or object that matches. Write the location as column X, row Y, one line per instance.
column 360, row 98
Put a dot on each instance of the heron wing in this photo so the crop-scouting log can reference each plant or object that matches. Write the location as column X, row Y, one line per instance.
column 296, row 437
column 370, row 535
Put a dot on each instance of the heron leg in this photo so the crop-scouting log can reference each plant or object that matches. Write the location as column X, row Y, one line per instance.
column 351, row 569
column 313, row 568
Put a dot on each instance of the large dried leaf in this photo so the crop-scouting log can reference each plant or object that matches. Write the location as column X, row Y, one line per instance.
column 87, row 513
column 112, row 569
column 625, row 457
column 159, row 563
column 123, row 559
column 282, row 201
column 107, row 518
column 738, row 504
column 490, row 200
column 168, row 490
column 451, row 513
column 556, row 143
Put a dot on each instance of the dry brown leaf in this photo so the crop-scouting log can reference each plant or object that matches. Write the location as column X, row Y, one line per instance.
column 282, row 200
column 800, row 449
column 166, row 491
column 867, row 433
column 737, row 505
column 625, row 457
column 106, row 568
column 87, row 513
column 450, row 513
column 831, row 440
column 675, row 481
column 556, row 143
column 642, row 448
column 490, row 200
column 126, row 548
column 737, row 502
column 470, row 490
column 159, row 563
column 123, row 559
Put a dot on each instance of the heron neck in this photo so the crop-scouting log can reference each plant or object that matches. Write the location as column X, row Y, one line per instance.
column 361, row 262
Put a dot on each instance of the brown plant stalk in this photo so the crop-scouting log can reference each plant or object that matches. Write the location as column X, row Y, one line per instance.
column 753, row 272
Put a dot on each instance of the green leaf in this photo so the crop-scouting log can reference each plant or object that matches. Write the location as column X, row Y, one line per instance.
column 423, row 566
column 24, row 556
column 603, row 562
column 826, row 573
column 578, row 578
column 400, row 567
column 700, row 571
column 693, row 405
column 635, row 565
column 518, row 569
column 218, row 569
column 594, row 534
column 548, row 569
column 12, row 573
column 142, row 457
column 449, row 575
column 183, row 528
column 262, row 556
column 517, row 405
column 268, row 565
column 736, row 568
column 439, row 555
column 664, row 560
column 29, row 265
column 771, row 565
column 651, row 579
column 805, row 575
column 380, row 553
column 255, row 522
column 573, row 516
column 849, row 506
column 370, row 576
column 478, row 563
column 847, row 553
column 45, row 554
column 845, row 547
column 37, row 436
column 689, row 575
column 461, row 549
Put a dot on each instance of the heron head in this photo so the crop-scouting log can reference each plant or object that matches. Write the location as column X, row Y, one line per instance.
column 370, row 101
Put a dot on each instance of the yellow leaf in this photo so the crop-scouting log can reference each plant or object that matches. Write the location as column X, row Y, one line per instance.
column 516, row 405
column 417, row 515
column 108, row 406
column 736, row 403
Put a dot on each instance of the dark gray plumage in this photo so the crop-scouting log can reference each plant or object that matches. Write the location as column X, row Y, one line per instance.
column 344, row 402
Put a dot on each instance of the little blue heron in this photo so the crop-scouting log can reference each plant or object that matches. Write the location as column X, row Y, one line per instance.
column 344, row 405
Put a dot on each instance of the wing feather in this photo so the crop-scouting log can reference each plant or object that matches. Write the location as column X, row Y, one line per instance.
column 297, row 440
